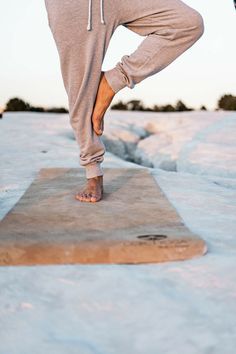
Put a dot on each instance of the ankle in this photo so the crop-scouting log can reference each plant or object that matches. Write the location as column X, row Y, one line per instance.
column 96, row 178
column 93, row 169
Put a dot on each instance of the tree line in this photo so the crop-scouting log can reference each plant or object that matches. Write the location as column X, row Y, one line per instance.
column 137, row 105
column 225, row 102
column 18, row 105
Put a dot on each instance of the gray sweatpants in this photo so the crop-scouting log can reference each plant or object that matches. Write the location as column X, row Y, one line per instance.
column 82, row 30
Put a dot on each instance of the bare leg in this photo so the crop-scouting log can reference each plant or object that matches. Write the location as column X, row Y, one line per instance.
column 104, row 97
column 93, row 190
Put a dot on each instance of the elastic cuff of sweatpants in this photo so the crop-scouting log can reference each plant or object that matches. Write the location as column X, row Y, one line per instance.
column 115, row 79
column 94, row 170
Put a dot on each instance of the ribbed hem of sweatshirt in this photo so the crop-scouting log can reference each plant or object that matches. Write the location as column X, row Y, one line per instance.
column 94, row 170
column 115, row 79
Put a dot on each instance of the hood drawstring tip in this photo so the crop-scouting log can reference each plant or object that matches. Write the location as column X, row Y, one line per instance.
column 89, row 26
column 102, row 11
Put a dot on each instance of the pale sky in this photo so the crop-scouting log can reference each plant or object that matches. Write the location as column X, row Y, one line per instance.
column 30, row 65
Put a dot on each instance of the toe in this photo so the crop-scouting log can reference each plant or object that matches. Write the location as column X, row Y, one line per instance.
column 90, row 196
column 84, row 199
column 95, row 198
column 78, row 196
column 87, row 197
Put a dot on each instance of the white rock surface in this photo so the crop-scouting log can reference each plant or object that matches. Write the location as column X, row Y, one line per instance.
column 212, row 151
column 199, row 142
column 176, row 308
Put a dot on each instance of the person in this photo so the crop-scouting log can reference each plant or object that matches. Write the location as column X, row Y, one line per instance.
column 82, row 30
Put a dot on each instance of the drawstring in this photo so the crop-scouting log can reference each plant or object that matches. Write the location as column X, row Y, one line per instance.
column 89, row 27
column 89, row 16
column 102, row 12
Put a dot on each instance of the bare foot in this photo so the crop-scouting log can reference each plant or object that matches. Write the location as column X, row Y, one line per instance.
column 104, row 97
column 93, row 190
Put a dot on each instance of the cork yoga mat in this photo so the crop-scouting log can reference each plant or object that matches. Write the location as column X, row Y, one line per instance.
column 133, row 223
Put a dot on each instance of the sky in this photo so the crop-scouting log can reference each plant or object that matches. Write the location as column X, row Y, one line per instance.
column 200, row 76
